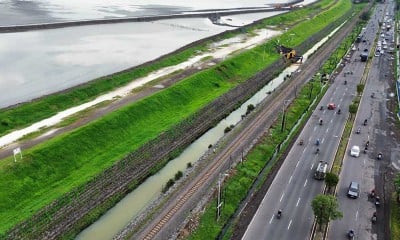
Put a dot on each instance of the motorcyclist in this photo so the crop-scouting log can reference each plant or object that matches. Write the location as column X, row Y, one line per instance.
column 321, row 108
column 320, row 122
column 377, row 201
column 301, row 141
column 351, row 234
column 365, row 122
column 372, row 194
column 380, row 156
column 279, row 213
column 339, row 111
column 374, row 217
column 345, row 82
column 317, row 142
column 317, row 151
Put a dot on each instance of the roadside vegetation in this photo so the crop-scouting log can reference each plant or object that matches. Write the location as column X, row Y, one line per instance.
column 53, row 168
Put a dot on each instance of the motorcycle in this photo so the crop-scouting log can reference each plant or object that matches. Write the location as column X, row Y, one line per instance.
column 317, row 151
column 377, row 201
column 372, row 193
column 365, row 122
column 345, row 82
column 338, row 112
column 350, row 234
column 321, row 108
column 301, row 142
column 372, row 95
column 279, row 214
column 317, row 142
column 374, row 218
column 379, row 156
column 320, row 122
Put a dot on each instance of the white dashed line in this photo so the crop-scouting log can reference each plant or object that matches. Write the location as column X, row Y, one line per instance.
column 305, row 183
column 357, row 216
column 312, row 165
column 290, row 223
column 270, row 221
column 326, row 130
column 283, row 194
column 290, row 179
column 297, row 204
column 297, row 164
column 304, row 150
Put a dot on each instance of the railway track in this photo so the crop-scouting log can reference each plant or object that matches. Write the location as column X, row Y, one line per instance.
column 254, row 128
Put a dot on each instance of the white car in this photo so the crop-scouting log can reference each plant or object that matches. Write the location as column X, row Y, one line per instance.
column 355, row 151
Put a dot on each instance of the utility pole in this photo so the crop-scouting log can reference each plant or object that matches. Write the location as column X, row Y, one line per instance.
column 284, row 113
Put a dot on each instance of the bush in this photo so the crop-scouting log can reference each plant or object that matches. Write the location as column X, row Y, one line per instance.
column 178, row 175
column 169, row 184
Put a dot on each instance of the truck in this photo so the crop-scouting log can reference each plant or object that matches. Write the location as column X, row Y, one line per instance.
column 320, row 172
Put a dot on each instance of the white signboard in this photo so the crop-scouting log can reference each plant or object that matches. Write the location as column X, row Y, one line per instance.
column 16, row 151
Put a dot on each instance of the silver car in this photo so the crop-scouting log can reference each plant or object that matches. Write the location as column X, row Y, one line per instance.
column 354, row 190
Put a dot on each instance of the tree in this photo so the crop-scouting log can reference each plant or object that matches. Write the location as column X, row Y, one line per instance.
column 325, row 209
column 353, row 108
column 360, row 88
column 397, row 185
column 331, row 179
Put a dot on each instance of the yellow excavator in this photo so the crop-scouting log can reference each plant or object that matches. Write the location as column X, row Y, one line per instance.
column 289, row 54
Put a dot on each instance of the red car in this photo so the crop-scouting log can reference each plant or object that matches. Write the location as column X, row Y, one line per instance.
column 331, row 106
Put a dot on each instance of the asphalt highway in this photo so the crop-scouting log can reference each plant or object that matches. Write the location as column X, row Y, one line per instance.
column 358, row 212
column 294, row 186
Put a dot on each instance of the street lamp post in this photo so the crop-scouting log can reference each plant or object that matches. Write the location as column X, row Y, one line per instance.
column 219, row 202
column 285, row 102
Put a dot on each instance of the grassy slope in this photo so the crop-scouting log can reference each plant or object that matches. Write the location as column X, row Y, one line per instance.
column 57, row 166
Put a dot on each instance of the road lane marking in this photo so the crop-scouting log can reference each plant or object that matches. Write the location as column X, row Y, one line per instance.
column 270, row 221
column 331, row 120
column 290, row 179
column 315, row 128
column 297, row 204
column 357, row 215
column 283, row 194
column 312, row 165
column 297, row 163
column 322, row 140
column 305, row 183
column 290, row 223
column 327, row 129
column 304, row 150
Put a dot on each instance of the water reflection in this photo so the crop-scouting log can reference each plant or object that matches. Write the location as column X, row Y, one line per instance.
column 41, row 62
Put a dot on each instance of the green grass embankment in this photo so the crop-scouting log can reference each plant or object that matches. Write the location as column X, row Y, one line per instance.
column 53, row 168
column 394, row 218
